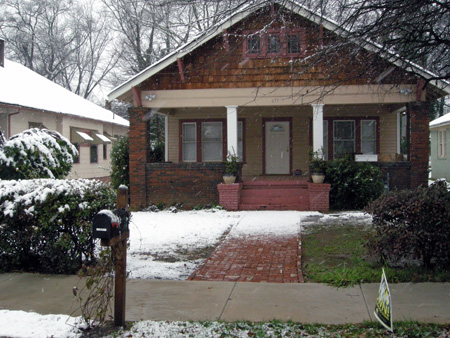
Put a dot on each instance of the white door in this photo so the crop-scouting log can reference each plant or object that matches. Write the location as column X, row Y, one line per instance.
column 277, row 147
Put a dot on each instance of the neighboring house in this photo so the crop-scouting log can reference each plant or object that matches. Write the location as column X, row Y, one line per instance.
column 240, row 88
column 439, row 137
column 28, row 100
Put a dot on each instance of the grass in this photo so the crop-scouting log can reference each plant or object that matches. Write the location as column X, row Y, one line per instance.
column 283, row 329
column 336, row 255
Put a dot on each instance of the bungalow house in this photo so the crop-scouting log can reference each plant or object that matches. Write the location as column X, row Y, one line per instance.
column 439, row 136
column 28, row 100
column 252, row 86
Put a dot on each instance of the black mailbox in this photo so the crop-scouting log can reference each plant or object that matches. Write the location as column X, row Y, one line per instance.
column 108, row 224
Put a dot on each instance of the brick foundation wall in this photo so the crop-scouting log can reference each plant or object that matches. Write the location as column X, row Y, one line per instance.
column 230, row 196
column 193, row 184
column 319, row 197
column 419, row 150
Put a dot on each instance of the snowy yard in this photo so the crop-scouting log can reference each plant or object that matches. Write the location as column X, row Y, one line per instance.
column 162, row 245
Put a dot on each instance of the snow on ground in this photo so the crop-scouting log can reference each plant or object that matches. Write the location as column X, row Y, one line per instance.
column 160, row 243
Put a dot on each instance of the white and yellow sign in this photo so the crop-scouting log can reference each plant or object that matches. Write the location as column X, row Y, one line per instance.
column 383, row 307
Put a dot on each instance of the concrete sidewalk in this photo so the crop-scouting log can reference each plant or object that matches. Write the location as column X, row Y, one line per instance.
column 233, row 301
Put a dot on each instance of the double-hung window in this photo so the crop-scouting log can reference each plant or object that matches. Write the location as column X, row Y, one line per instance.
column 442, row 144
column 212, row 142
column 203, row 141
column 189, row 143
column 350, row 136
column 343, row 138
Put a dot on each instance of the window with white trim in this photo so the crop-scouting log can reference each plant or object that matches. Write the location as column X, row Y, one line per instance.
column 442, row 143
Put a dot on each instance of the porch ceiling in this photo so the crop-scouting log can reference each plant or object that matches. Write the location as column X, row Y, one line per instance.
column 285, row 96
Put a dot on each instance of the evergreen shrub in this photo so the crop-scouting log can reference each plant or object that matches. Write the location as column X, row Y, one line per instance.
column 46, row 224
column 353, row 184
column 120, row 159
column 412, row 226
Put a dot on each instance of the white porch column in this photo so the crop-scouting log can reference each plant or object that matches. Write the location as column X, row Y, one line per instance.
column 232, row 130
column 318, row 128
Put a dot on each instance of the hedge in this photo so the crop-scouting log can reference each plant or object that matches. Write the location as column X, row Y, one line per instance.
column 45, row 224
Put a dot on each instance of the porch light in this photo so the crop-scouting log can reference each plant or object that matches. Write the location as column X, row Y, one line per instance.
column 150, row 97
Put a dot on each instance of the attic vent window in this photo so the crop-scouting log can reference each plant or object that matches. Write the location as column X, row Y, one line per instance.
column 254, row 44
column 275, row 43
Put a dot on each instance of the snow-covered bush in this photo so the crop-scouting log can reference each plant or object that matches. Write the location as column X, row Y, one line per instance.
column 36, row 153
column 45, row 224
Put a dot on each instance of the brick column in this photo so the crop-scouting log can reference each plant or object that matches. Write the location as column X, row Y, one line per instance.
column 139, row 143
column 230, row 196
column 319, row 196
column 419, row 147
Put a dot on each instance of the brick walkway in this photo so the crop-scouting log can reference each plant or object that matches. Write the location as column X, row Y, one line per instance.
column 257, row 259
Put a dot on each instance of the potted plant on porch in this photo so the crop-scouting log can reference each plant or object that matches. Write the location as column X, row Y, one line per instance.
column 231, row 169
column 317, row 167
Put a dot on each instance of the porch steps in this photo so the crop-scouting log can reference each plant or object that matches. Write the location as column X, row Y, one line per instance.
column 274, row 195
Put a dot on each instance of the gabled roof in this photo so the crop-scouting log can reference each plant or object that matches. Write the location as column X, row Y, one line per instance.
column 243, row 12
column 22, row 87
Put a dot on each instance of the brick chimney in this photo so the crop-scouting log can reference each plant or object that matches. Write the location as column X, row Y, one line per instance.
column 2, row 53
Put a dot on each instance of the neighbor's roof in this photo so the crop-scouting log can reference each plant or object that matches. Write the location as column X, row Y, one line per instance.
column 240, row 14
column 22, row 87
column 440, row 121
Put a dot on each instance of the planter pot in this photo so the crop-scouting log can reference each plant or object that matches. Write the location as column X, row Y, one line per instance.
column 318, row 178
column 229, row 179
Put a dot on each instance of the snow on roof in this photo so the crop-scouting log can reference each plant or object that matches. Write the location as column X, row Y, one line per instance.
column 241, row 13
column 445, row 119
column 23, row 87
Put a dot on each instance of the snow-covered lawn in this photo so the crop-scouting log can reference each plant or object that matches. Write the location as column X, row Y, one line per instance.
column 162, row 245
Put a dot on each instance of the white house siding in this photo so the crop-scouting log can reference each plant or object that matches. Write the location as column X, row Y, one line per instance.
column 440, row 166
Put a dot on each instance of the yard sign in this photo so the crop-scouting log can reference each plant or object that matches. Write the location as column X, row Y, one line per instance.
column 383, row 307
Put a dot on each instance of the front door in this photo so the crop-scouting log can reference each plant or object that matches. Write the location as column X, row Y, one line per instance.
column 277, row 146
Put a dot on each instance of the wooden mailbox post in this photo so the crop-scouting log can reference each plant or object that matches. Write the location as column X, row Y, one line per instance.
column 119, row 252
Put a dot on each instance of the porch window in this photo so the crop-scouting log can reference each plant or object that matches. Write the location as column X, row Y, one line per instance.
column 212, row 142
column 105, row 151
column 189, row 144
column 203, row 141
column 442, row 144
column 343, row 138
column 350, row 136
column 369, row 136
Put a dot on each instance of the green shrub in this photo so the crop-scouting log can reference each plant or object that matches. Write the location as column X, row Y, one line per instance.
column 45, row 224
column 36, row 153
column 413, row 225
column 353, row 184
column 120, row 158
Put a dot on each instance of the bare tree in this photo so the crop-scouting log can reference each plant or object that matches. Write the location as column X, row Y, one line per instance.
column 61, row 40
